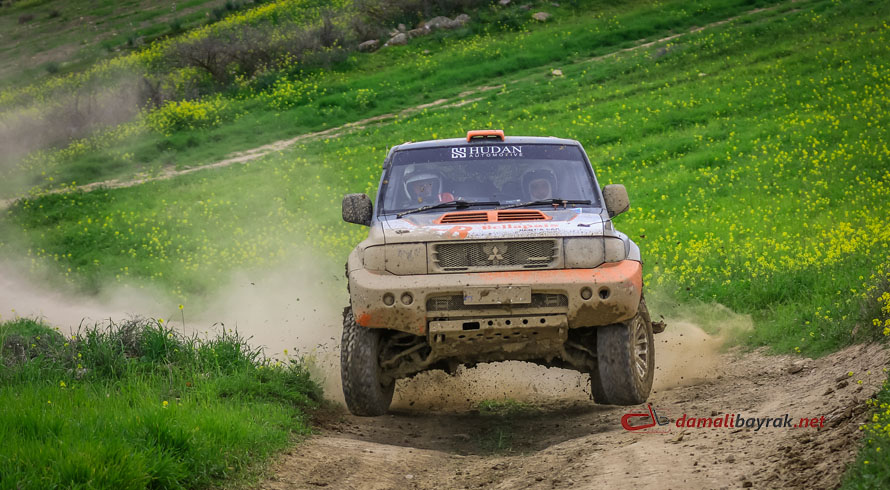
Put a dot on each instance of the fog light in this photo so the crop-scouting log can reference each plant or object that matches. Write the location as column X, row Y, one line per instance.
column 389, row 299
column 604, row 293
column 407, row 299
column 586, row 293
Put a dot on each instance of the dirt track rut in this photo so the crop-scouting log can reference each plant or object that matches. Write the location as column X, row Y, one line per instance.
column 435, row 439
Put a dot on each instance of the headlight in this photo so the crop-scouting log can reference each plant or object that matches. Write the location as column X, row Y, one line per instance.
column 590, row 252
column 402, row 259
column 583, row 253
column 406, row 258
column 614, row 250
column 374, row 259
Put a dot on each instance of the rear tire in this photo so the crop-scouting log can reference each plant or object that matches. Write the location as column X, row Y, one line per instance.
column 363, row 390
column 625, row 362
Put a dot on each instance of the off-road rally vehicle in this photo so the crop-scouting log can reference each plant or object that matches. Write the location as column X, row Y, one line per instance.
column 493, row 248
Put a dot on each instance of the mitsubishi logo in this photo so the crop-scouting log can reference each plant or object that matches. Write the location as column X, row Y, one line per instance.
column 495, row 253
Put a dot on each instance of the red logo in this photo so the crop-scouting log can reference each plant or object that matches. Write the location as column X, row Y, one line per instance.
column 646, row 420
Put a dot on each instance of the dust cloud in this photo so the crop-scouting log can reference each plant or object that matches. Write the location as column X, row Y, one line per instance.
column 685, row 354
column 59, row 118
column 295, row 308
column 23, row 294
column 511, row 380
column 688, row 352
column 295, row 312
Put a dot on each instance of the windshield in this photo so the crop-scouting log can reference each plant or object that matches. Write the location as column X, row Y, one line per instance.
column 502, row 174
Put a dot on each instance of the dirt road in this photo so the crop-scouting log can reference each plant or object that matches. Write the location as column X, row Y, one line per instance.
column 436, row 439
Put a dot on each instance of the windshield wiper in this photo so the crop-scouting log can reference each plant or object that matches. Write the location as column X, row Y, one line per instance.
column 541, row 202
column 458, row 203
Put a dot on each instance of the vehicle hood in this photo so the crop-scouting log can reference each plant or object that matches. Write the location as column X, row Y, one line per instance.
column 563, row 223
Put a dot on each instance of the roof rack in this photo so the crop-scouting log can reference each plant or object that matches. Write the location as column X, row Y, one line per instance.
column 485, row 134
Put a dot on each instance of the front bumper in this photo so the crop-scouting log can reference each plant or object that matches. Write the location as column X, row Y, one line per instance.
column 616, row 289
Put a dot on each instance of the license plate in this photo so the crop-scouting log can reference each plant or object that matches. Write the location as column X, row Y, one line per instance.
column 498, row 295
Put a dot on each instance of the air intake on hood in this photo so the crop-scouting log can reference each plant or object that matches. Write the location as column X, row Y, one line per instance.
column 467, row 217
column 521, row 215
column 492, row 216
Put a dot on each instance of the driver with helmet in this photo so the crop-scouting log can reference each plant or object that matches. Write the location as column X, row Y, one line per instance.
column 426, row 187
column 539, row 183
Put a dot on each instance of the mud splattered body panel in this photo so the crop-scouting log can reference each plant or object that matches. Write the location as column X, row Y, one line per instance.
column 620, row 283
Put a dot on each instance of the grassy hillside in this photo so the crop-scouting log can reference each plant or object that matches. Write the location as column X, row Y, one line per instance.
column 42, row 38
column 757, row 172
column 238, row 41
column 295, row 96
column 754, row 151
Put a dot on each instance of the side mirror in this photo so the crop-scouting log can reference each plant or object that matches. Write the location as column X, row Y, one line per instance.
column 357, row 209
column 616, row 199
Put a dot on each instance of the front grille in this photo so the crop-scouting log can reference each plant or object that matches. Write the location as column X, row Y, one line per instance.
column 456, row 302
column 500, row 255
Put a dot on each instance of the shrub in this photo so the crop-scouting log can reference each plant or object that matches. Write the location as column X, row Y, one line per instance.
column 188, row 114
column 243, row 50
column 874, row 304
column 208, row 54
column 387, row 13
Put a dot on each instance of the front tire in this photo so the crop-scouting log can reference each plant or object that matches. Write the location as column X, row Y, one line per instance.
column 366, row 395
column 625, row 362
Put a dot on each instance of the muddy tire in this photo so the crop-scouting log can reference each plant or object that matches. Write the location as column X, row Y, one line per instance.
column 363, row 390
column 625, row 362
column 596, row 387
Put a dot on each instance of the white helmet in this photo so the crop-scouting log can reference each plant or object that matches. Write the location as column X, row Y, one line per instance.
column 422, row 186
column 543, row 179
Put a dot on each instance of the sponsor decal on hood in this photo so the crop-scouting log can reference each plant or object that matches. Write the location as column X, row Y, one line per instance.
column 420, row 228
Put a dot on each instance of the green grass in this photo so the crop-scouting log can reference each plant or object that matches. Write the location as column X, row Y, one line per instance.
column 756, row 173
column 504, row 408
column 499, row 434
column 872, row 467
column 71, row 36
column 384, row 82
column 138, row 405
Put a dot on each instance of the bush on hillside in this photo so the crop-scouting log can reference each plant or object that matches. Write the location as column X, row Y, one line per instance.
column 250, row 49
column 189, row 114
column 375, row 18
